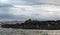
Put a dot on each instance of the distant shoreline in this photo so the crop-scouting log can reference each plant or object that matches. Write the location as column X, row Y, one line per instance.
column 34, row 24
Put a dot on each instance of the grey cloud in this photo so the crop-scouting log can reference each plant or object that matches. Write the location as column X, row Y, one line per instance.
column 5, row 5
column 5, row 8
column 34, row 2
column 39, row 2
column 33, row 13
column 8, row 17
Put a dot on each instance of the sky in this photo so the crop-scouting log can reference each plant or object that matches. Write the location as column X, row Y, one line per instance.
column 13, row 10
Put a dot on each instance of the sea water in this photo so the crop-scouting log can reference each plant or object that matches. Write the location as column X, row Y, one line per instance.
column 10, row 31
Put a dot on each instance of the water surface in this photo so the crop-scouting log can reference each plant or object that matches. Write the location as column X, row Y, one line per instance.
column 10, row 31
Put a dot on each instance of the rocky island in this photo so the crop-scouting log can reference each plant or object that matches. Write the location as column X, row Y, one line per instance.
column 35, row 24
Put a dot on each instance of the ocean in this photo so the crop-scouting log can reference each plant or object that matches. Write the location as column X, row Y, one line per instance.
column 10, row 31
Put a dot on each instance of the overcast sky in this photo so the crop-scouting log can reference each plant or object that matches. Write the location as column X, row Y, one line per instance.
column 26, row 9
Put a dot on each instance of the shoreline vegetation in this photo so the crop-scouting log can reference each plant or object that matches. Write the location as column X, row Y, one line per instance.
column 35, row 24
